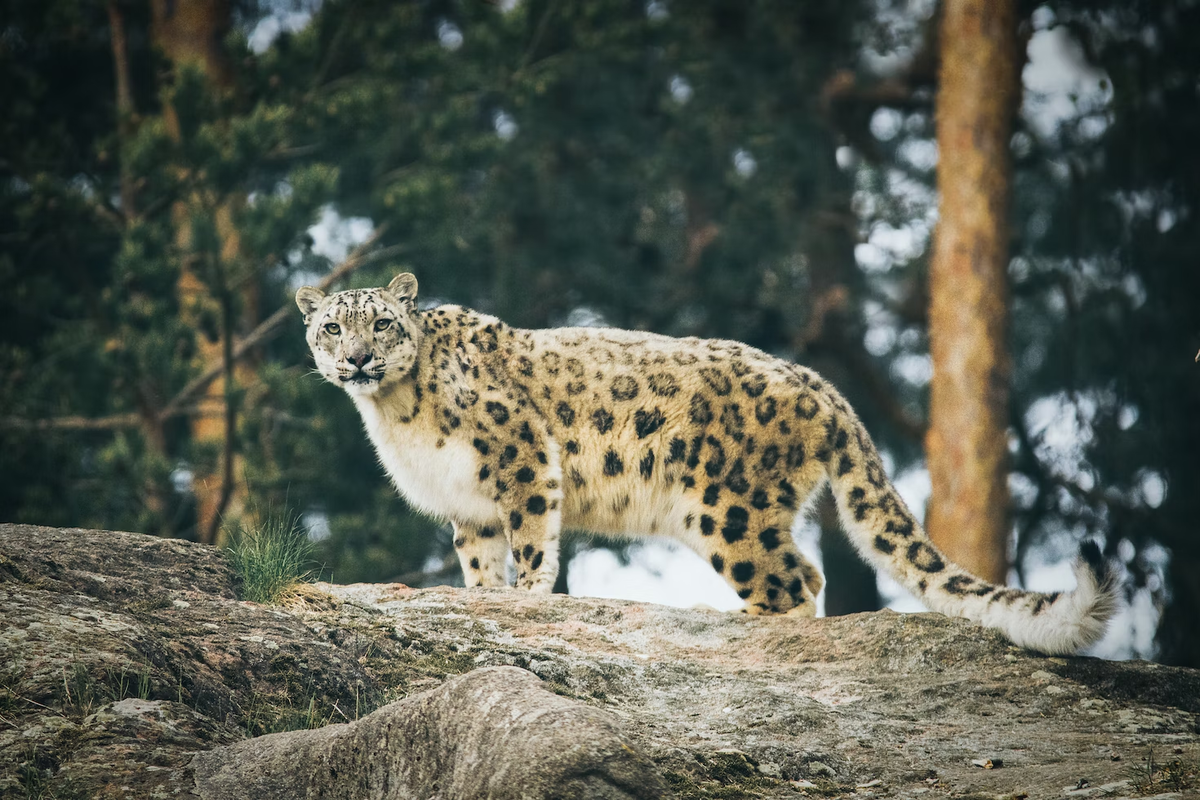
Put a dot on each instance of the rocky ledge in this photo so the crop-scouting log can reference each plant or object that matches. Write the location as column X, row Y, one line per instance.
column 128, row 668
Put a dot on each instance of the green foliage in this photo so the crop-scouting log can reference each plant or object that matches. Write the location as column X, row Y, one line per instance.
column 1119, row 262
column 279, row 713
column 32, row 783
column 82, row 691
column 271, row 558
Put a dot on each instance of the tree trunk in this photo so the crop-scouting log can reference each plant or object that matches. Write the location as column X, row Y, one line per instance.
column 829, row 233
column 125, row 106
column 148, row 420
column 850, row 585
column 193, row 33
column 1176, row 629
column 967, row 443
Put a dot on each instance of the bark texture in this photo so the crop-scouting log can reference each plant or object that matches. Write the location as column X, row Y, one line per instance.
column 194, row 32
column 191, row 34
column 966, row 444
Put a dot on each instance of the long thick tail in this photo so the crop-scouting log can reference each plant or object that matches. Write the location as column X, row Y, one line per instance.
column 888, row 536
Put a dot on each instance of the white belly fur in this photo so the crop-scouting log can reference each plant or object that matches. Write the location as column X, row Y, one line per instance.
column 440, row 481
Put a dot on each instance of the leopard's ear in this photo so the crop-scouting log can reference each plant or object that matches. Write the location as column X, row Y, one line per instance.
column 309, row 300
column 404, row 287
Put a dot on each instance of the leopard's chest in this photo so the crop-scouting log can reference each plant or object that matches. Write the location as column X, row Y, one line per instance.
column 437, row 475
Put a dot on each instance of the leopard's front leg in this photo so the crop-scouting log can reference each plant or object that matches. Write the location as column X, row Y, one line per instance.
column 482, row 551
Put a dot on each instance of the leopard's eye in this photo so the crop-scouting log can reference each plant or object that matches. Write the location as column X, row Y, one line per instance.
column 382, row 324
column 332, row 328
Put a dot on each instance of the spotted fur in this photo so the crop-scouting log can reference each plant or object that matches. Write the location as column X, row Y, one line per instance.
column 514, row 434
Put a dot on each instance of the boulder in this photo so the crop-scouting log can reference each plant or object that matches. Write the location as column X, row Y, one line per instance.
column 128, row 668
column 496, row 732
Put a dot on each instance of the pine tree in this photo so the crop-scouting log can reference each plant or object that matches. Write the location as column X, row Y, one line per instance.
column 966, row 447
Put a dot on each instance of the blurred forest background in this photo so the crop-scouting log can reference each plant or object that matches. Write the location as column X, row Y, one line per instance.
column 764, row 171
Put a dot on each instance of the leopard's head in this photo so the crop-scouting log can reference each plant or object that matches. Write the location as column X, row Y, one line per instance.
column 363, row 339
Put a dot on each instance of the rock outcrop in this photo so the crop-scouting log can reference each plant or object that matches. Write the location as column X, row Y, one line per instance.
column 495, row 732
column 128, row 668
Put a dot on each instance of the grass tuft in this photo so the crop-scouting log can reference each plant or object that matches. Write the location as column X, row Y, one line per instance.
column 1155, row 777
column 271, row 559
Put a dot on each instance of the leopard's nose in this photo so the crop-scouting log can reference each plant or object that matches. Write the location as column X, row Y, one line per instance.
column 359, row 360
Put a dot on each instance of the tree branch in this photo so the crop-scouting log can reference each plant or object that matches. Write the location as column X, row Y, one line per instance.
column 125, row 107
column 270, row 326
column 537, row 37
column 109, row 423
column 182, row 403
column 227, row 450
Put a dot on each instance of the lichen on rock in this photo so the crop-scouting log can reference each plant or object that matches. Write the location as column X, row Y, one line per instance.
column 123, row 656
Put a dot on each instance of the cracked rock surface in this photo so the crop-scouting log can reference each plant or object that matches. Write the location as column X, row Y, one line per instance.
column 495, row 732
column 123, row 657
